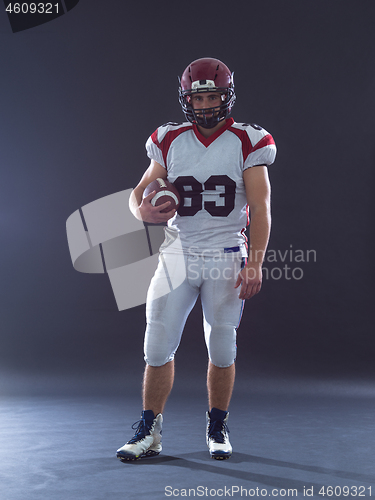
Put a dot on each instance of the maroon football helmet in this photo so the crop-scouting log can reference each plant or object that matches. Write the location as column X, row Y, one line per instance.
column 207, row 75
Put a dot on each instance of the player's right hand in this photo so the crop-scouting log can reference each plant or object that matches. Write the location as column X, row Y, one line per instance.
column 152, row 214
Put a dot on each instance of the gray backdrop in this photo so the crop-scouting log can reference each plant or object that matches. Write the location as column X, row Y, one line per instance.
column 79, row 97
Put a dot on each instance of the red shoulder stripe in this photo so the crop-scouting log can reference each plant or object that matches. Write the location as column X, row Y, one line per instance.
column 266, row 141
column 247, row 146
column 245, row 141
column 169, row 137
column 154, row 138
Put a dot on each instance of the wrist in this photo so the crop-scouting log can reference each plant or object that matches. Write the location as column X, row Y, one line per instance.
column 256, row 257
column 253, row 264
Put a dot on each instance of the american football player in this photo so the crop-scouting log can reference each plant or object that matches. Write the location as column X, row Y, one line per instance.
column 220, row 170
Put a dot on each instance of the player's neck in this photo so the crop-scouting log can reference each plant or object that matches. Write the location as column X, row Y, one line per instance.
column 207, row 132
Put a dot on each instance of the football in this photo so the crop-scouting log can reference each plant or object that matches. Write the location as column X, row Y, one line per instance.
column 165, row 191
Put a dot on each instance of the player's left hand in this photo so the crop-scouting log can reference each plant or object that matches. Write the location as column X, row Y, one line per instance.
column 250, row 279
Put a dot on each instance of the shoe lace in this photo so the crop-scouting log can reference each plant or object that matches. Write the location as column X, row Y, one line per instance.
column 142, row 429
column 217, row 429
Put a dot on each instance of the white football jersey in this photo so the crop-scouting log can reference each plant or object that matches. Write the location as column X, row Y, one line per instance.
column 208, row 173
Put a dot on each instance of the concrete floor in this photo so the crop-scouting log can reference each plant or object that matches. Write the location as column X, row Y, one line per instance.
column 61, row 447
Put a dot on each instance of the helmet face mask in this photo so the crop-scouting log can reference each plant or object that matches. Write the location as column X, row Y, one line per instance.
column 207, row 75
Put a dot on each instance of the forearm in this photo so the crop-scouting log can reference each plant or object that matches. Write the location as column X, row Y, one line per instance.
column 250, row 277
column 142, row 208
column 135, row 200
column 259, row 232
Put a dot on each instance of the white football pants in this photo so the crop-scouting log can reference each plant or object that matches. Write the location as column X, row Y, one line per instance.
column 211, row 277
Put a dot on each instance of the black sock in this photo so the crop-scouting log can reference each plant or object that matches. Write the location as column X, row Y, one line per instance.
column 216, row 414
column 148, row 415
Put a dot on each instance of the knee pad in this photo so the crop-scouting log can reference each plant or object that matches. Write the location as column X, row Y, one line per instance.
column 221, row 345
column 157, row 349
column 158, row 361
